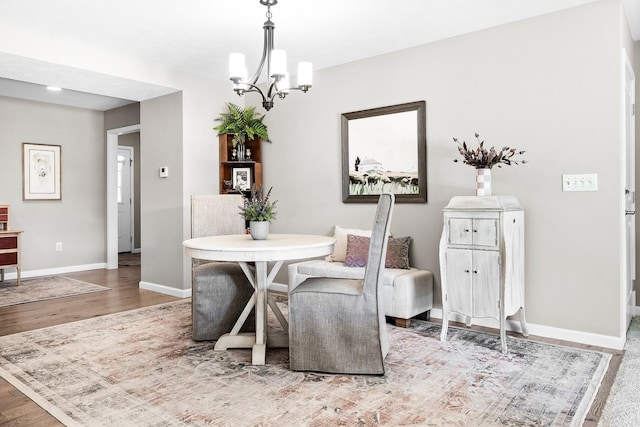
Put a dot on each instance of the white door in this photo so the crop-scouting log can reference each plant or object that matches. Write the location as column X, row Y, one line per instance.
column 124, row 196
column 630, row 192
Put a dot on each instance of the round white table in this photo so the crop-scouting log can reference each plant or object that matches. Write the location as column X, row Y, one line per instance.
column 241, row 248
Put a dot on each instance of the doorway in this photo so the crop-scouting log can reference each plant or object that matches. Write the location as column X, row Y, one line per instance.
column 112, row 191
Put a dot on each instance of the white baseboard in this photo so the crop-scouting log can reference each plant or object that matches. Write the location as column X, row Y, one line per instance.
column 57, row 270
column 136, row 250
column 543, row 331
column 167, row 290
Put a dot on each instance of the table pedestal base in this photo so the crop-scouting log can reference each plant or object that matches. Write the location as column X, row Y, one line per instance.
column 277, row 339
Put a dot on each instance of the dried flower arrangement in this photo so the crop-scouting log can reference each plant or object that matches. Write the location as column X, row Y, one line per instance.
column 481, row 158
column 257, row 206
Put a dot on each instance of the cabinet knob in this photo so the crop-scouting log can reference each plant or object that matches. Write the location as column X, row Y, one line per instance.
column 466, row 230
column 475, row 231
column 475, row 271
column 466, row 271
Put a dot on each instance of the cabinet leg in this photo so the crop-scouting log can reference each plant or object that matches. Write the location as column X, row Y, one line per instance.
column 467, row 321
column 503, row 334
column 445, row 326
column 18, row 276
column 523, row 323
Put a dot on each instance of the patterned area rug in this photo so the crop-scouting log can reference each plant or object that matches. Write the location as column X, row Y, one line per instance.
column 141, row 368
column 623, row 404
column 43, row 288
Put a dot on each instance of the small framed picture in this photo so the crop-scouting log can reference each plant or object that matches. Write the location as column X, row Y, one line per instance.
column 41, row 174
column 241, row 178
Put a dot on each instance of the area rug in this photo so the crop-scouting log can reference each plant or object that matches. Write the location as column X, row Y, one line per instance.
column 44, row 288
column 141, row 368
column 622, row 408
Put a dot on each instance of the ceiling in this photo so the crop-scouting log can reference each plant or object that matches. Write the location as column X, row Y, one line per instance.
column 196, row 36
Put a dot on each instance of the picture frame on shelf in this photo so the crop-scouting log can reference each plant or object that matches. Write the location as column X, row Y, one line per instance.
column 385, row 150
column 41, row 172
column 241, row 179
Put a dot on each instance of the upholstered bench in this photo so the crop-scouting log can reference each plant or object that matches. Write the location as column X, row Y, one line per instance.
column 406, row 293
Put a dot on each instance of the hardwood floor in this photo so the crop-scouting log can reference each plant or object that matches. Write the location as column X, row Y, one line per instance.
column 16, row 409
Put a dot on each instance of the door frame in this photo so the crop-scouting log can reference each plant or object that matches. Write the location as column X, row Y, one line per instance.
column 112, row 185
column 628, row 154
column 132, row 195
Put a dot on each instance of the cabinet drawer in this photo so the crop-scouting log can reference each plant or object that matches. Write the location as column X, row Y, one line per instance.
column 476, row 232
column 10, row 258
column 10, row 242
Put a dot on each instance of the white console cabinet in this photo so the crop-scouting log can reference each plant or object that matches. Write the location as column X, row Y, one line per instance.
column 482, row 261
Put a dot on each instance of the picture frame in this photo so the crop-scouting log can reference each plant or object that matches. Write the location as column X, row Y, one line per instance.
column 241, row 179
column 41, row 172
column 385, row 150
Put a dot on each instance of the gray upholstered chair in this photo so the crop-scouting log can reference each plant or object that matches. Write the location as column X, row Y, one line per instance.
column 220, row 290
column 338, row 325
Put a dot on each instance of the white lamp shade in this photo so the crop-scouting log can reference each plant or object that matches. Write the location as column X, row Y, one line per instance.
column 278, row 62
column 305, row 74
column 237, row 69
column 284, row 84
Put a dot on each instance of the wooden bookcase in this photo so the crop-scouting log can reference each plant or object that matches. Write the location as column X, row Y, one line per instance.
column 227, row 164
column 9, row 245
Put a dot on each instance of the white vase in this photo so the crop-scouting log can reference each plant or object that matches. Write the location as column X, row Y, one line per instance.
column 259, row 230
column 483, row 182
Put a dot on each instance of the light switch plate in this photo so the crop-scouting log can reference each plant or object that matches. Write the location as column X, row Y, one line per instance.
column 580, row 182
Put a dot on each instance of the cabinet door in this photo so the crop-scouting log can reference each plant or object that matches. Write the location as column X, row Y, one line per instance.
column 460, row 231
column 486, row 284
column 459, row 294
column 485, row 232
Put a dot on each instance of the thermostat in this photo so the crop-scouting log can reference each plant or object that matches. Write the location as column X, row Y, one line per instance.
column 164, row 172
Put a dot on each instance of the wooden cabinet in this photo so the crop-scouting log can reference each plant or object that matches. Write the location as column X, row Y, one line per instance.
column 9, row 245
column 482, row 261
column 4, row 217
column 228, row 164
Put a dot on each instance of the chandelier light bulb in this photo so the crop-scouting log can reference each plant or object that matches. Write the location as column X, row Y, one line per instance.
column 278, row 63
column 237, row 69
column 305, row 74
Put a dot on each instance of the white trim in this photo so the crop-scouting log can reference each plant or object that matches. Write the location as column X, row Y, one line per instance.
column 607, row 341
column 58, row 270
column 112, row 204
column 167, row 290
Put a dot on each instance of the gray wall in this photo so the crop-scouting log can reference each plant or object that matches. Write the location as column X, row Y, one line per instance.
column 78, row 220
column 549, row 85
column 161, row 200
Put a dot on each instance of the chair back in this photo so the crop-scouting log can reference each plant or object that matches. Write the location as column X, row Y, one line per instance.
column 216, row 215
column 374, row 269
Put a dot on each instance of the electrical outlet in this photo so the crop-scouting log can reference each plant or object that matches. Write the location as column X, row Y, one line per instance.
column 58, row 246
column 580, row 182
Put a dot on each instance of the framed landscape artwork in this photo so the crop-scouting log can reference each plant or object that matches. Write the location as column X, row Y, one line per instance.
column 41, row 173
column 385, row 150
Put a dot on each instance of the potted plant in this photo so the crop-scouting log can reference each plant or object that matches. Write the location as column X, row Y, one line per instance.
column 244, row 123
column 483, row 159
column 259, row 210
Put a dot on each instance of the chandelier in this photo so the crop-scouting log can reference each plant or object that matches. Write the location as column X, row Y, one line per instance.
column 276, row 62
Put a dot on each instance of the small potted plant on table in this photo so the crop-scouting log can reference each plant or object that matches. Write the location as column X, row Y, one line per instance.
column 259, row 210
